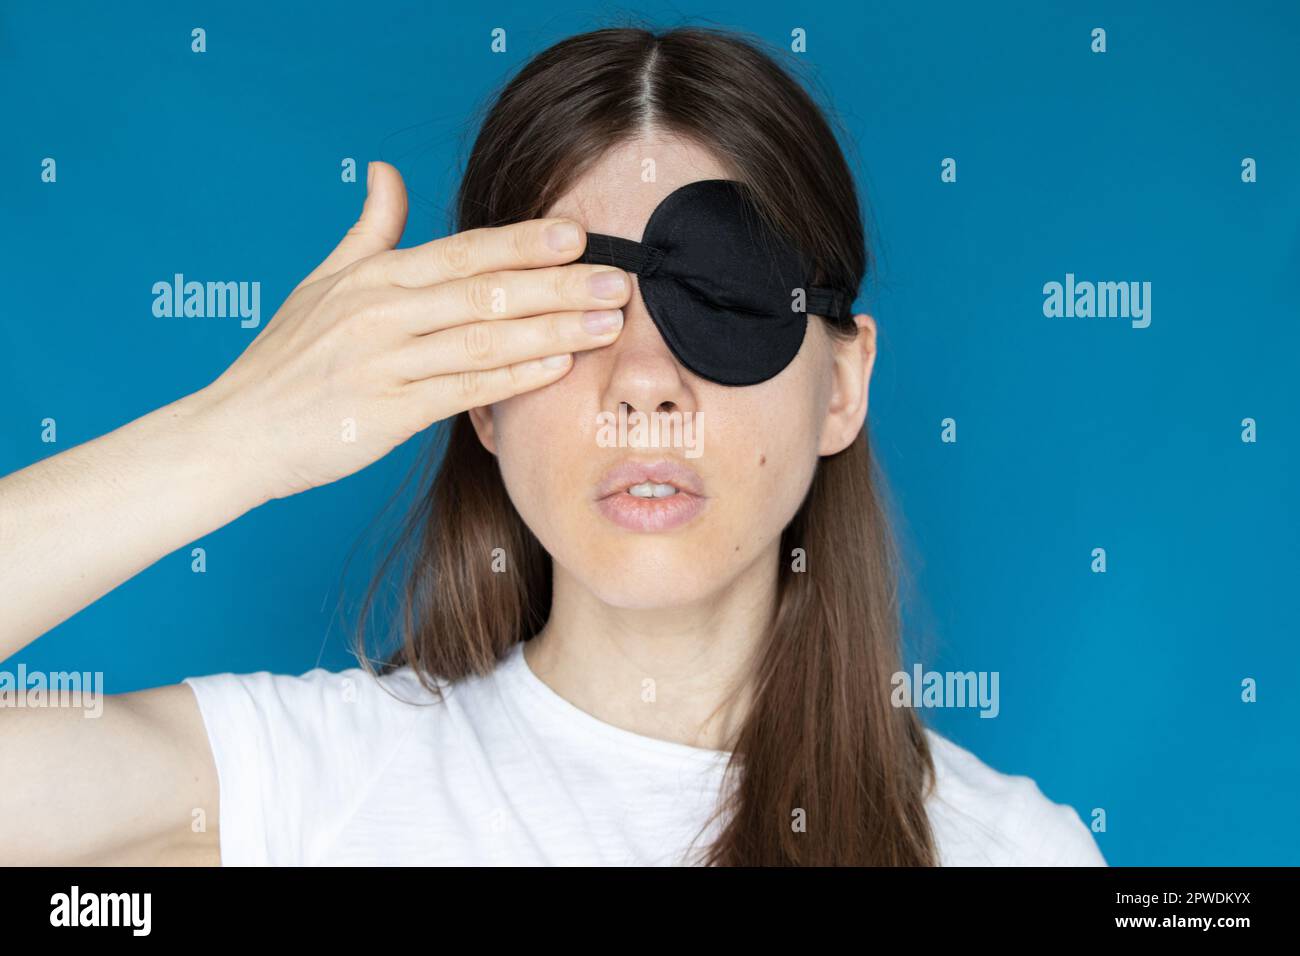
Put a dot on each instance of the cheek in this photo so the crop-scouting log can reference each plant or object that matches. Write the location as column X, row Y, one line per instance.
column 540, row 445
column 770, row 448
column 769, row 462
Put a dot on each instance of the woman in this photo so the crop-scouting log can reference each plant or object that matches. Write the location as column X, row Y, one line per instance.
column 612, row 652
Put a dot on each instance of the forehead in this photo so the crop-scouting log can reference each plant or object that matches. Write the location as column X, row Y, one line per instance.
column 617, row 194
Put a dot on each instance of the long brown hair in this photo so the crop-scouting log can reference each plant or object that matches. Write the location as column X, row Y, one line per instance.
column 821, row 742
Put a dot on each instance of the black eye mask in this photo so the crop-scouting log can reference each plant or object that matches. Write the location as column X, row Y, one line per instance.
column 720, row 284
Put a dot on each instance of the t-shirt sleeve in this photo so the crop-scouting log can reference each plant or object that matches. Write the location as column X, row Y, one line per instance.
column 1069, row 840
column 294, row 757
column 986, row 818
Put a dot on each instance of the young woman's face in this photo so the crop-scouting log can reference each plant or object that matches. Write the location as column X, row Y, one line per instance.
column 742, row 472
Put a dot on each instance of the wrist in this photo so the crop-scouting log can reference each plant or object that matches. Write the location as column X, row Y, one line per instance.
column 226, row 465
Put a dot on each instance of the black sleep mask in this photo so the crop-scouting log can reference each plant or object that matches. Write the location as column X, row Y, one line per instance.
column 719, row 283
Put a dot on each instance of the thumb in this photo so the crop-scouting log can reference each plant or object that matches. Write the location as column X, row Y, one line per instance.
column 383, row 218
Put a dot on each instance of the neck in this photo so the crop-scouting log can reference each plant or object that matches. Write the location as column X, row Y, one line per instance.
column 678, row 673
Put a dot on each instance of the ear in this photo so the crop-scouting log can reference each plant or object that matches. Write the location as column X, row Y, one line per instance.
column 853, row 361
column 484, row 426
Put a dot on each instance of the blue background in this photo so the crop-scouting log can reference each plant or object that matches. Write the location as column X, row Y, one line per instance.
column 1119, row 690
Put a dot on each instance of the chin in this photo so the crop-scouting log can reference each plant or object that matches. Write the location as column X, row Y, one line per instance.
column 649, row 575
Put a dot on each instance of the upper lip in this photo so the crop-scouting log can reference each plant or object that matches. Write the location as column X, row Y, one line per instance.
column 664, row 471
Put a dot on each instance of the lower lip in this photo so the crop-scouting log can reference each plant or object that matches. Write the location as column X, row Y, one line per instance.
column 650, row 514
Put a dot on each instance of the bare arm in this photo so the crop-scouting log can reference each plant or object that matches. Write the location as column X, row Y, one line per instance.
column 76, row 525
column 385, row 340
column 134, row 786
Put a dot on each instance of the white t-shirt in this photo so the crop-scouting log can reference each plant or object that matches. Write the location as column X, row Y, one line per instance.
column 343, row 768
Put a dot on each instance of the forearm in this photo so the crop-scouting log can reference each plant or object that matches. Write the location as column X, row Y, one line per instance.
column 78, row 524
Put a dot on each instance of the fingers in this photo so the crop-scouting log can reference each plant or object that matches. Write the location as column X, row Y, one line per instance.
column 383, row 218
column 445, row 395
column 487, row 345
column 523, row 245
column 508, row 295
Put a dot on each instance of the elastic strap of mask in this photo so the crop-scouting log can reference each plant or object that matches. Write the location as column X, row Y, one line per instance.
column 624, row 254
column 832, row 303
column 644, row 260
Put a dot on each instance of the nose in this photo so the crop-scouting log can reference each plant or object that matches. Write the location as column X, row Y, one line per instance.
column 641, row 371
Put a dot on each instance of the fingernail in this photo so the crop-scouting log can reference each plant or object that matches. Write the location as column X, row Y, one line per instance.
column 601, row 321
column 607, row 285
column 555, row 361
column 562, row 236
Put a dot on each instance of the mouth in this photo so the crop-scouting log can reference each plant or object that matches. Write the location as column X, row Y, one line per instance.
column 650, row 496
